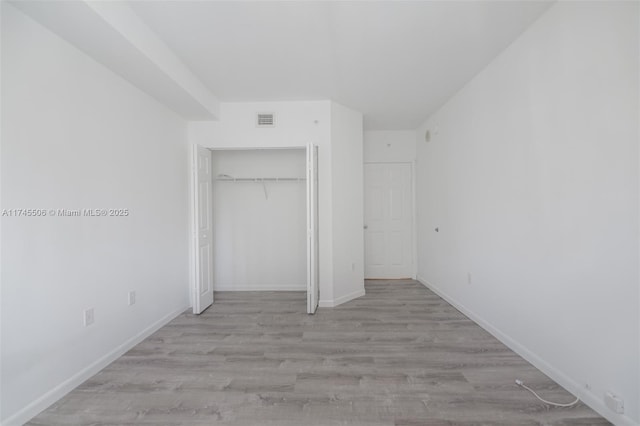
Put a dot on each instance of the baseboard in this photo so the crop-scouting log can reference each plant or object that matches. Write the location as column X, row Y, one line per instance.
column 43, row 402
column 332, row 303
column 249, row 287
column 558, row 376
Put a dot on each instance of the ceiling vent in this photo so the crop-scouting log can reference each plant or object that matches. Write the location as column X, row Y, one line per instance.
column 265, row 119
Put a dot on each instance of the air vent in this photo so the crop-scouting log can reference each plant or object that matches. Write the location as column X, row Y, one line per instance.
column 265, row 119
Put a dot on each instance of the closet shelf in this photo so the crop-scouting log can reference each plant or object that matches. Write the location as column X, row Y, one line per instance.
column 262, row 179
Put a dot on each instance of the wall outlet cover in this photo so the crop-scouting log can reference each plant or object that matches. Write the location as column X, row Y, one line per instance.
column 88, row 317
column 614, row 403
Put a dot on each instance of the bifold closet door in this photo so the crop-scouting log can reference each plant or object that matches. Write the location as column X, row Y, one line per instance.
column 204, row 230
column 313, row 287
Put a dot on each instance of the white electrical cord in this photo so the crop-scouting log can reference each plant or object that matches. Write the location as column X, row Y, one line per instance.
column 555, row 404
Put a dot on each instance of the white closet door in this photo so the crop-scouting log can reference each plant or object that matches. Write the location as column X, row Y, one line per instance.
column 313, row 288
column 204, row 230
column 388, row 221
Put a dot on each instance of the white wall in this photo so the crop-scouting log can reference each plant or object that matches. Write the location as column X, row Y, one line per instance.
column 389, row 146
column 260, row 238
column 297, row 123
column 532, row 178
column 76, row 136
column 348, row 215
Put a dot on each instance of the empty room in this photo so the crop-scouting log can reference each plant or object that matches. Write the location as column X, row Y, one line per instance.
column 286, row 213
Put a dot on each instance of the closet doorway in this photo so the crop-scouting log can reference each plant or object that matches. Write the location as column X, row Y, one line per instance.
column 255, row 220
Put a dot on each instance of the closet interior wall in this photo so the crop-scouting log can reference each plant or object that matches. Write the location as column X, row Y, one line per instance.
column 259, row 220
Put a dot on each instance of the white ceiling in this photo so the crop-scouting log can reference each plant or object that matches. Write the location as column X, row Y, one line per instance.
column 395, row 61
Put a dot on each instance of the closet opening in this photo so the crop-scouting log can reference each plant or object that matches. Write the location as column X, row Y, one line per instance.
column 256, row 221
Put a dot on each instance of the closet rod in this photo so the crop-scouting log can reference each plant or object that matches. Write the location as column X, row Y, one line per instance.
column 275, row 179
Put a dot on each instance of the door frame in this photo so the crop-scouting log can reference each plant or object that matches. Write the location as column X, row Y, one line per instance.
column 193, row 220
column 414, row 211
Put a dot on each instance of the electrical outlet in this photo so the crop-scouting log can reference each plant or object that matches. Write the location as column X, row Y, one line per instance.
column 132, row 298
column 614, row 402
column 88, row 317
column 353, row 266
column 469, row 278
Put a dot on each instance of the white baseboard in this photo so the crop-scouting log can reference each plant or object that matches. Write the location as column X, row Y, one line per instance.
column 558, row 376
column 332, row 303
column 249, row 287
column 48, row 398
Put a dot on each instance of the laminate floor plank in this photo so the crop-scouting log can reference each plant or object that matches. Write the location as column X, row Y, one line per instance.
column 399, row 356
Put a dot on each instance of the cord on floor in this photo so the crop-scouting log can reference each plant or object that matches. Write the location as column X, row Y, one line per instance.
column 555, row 404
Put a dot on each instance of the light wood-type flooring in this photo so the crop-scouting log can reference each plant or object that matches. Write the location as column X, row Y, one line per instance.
column 398, row 356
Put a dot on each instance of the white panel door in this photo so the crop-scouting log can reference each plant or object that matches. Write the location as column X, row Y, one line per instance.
column 388, row 218
column 204, row 231
column 313, row 287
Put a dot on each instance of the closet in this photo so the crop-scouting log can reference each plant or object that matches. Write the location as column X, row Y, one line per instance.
column 256, row 220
